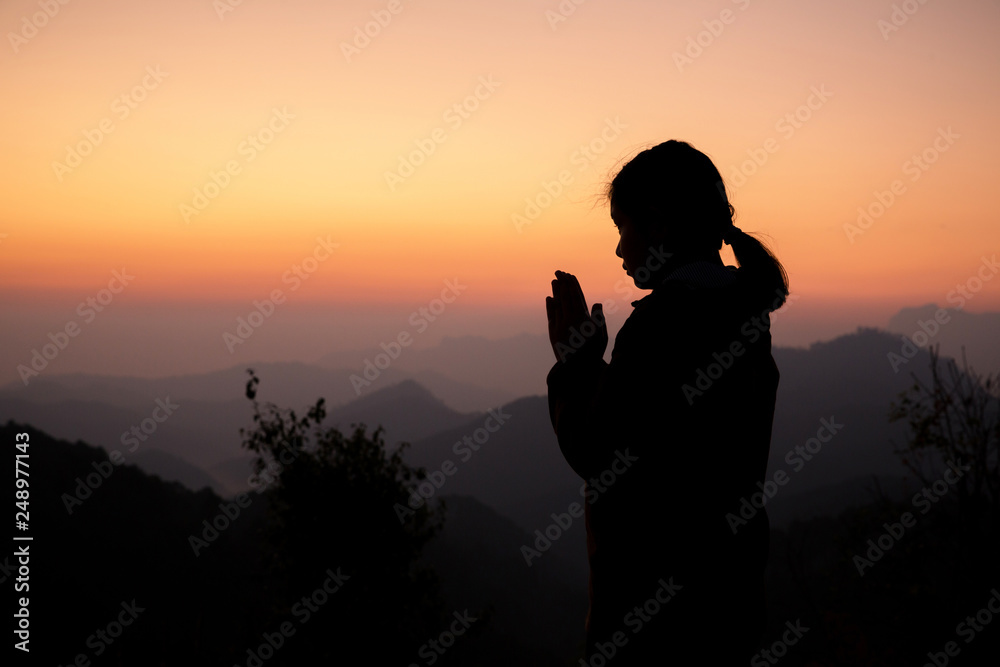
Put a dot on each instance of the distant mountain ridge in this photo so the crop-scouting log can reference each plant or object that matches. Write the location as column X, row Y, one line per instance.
column 205, row 435
column 292, row 383
column 517, row 364
column 979, row 333
column 518, row 470
column 469, row 373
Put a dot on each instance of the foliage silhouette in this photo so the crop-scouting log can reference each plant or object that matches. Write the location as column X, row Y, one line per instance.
column 331, row 499
column 955, row 417
column 916, row 592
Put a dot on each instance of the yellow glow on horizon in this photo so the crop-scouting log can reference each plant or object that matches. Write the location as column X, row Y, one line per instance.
column 260, row 116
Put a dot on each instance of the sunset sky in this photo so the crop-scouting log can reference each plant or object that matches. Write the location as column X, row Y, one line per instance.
column 210, row 148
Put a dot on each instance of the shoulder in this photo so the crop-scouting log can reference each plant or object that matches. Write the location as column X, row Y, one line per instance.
column 694, row 288
column 693, row 314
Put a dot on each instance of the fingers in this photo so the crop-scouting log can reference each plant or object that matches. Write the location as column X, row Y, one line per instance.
column 570, row 295
column 597, row 313
column 573, row 290
column 558, row 295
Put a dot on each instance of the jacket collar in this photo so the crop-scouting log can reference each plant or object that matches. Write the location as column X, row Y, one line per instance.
column 698, row 275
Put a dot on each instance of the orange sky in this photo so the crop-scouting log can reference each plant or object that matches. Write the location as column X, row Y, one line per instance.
column 310, row 133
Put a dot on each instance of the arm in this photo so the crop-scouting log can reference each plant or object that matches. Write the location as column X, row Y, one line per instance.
column 576, row 411
column 579, row 339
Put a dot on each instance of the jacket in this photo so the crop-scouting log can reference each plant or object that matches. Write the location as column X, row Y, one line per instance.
column 688, row 398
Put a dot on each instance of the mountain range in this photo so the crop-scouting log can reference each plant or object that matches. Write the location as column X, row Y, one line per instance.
column 850, row 381
column 475, row 417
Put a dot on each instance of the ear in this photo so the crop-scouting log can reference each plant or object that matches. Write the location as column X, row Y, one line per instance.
column 657, row 236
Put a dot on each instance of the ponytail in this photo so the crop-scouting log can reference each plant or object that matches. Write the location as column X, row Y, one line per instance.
column 762, row 269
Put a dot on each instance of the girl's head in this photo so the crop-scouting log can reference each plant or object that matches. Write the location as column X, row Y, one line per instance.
column 677, row 189
column 672, row 200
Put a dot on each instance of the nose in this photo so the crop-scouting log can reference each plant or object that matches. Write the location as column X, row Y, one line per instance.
column 618, row 249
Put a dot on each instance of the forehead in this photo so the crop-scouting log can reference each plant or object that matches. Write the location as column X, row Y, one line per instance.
column 619, row 216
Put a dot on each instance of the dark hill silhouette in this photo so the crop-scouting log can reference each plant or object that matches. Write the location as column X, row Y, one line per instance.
column 198, row 432
column 172, row 468
column 513, row 470
column 479, row 552
column 130, row 540
column 407, row 410
column 848, row 379
column 205, row 434
column 509, row 364
column 462, row 396
column 518, row 471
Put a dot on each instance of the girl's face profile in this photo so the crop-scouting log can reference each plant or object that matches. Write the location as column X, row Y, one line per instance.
column 633, row 247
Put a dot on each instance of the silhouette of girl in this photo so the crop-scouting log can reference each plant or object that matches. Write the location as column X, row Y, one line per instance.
column 674, row 432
